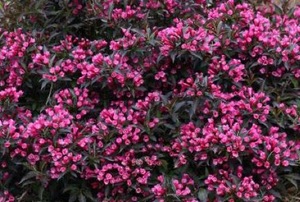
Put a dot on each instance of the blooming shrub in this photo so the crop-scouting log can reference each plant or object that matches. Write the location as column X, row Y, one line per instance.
column 157, row 100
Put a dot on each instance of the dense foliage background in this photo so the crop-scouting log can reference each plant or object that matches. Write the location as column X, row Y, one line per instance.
column 149, row 100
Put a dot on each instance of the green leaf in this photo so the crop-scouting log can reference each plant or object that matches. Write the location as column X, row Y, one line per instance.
column 173, row 56
column 29, row 175
column 219, row 27
column 106, row 191
column 275, row 193
column 138, row 31
column 164, row 164
column 202, row 195
column 170, row 126
column 41, row 193
column 44, row 84
column 197, row 55
column 72, row 197
column 294, row 176
column 81, row 198
column 52, row 60
column 292, row 181
column 193, row 109
column 179, row 105
column 295, row 82
column 71, row 188
column 278, row 10
column 88, row 194
column 110, row 10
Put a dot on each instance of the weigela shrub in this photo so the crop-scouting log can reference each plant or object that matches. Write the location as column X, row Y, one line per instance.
column 157, row 100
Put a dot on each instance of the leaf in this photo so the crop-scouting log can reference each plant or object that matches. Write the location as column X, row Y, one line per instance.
column 164, row 98
column 173, row 56
column 197, row 55
column 295, row 82
column 292, row 181
column 195, row 105
column 275, row 193
column 52, row 60
column 106, row 191
column 202, row 195
column 88, row 194
column 298, row 153
column 53, row 35
column 81, row 198
column 153, row 138
column 138, row 32
column 263, row 123
column 278, row 10
column 164, row 164
column 205, row 81
column 293, row 176
column 170, row 126
column 34, row 106
column 110, row 10
column 193, row 109
column 174, row 117
column 61, row 176
column 41, row 193
column 253, row 65
column 28, row 182
column 44, row 84
column 148, row 198
column 29, row 175
column 72, row 197
column 179, row 105
column 287, row 65
column 70, row 188
column 219, row 27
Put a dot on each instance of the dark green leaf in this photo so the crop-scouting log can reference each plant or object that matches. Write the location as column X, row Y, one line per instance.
column 81, row 198
column 202, row 195
column 29, row 175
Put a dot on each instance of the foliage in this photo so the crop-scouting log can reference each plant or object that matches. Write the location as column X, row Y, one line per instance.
column 153, row 100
